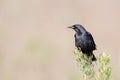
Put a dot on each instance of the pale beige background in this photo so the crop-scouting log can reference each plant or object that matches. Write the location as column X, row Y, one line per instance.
column 35, row 43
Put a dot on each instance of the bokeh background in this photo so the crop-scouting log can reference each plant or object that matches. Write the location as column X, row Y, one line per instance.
column 35, row 43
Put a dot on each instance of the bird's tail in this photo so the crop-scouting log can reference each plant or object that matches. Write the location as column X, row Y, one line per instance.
column 93, row 57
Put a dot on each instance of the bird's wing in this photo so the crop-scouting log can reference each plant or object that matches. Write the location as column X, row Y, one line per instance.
column 91, row 40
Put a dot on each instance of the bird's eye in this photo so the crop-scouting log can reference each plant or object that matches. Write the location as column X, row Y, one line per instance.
column 74, row 26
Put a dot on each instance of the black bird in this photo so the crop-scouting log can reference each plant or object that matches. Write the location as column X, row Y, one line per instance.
column 84, row 40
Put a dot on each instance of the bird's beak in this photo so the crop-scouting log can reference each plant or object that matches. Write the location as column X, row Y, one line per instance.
column 71, row 27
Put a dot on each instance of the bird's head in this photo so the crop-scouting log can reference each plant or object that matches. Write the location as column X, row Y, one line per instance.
column 78, row 28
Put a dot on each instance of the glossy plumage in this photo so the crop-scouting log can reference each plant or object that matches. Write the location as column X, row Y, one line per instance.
column 84, row 40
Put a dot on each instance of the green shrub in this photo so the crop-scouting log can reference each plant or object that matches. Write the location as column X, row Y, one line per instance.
column 98, row 70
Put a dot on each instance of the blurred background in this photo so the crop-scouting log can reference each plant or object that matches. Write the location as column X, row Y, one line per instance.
column 35, row 43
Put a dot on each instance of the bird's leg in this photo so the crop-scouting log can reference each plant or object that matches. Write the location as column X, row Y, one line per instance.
column 79, row 49
column 88, row 59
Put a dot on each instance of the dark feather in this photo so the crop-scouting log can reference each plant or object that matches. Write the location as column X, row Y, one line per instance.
column 84, row 40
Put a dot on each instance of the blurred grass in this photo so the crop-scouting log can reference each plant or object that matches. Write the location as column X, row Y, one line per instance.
column 39, row 50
